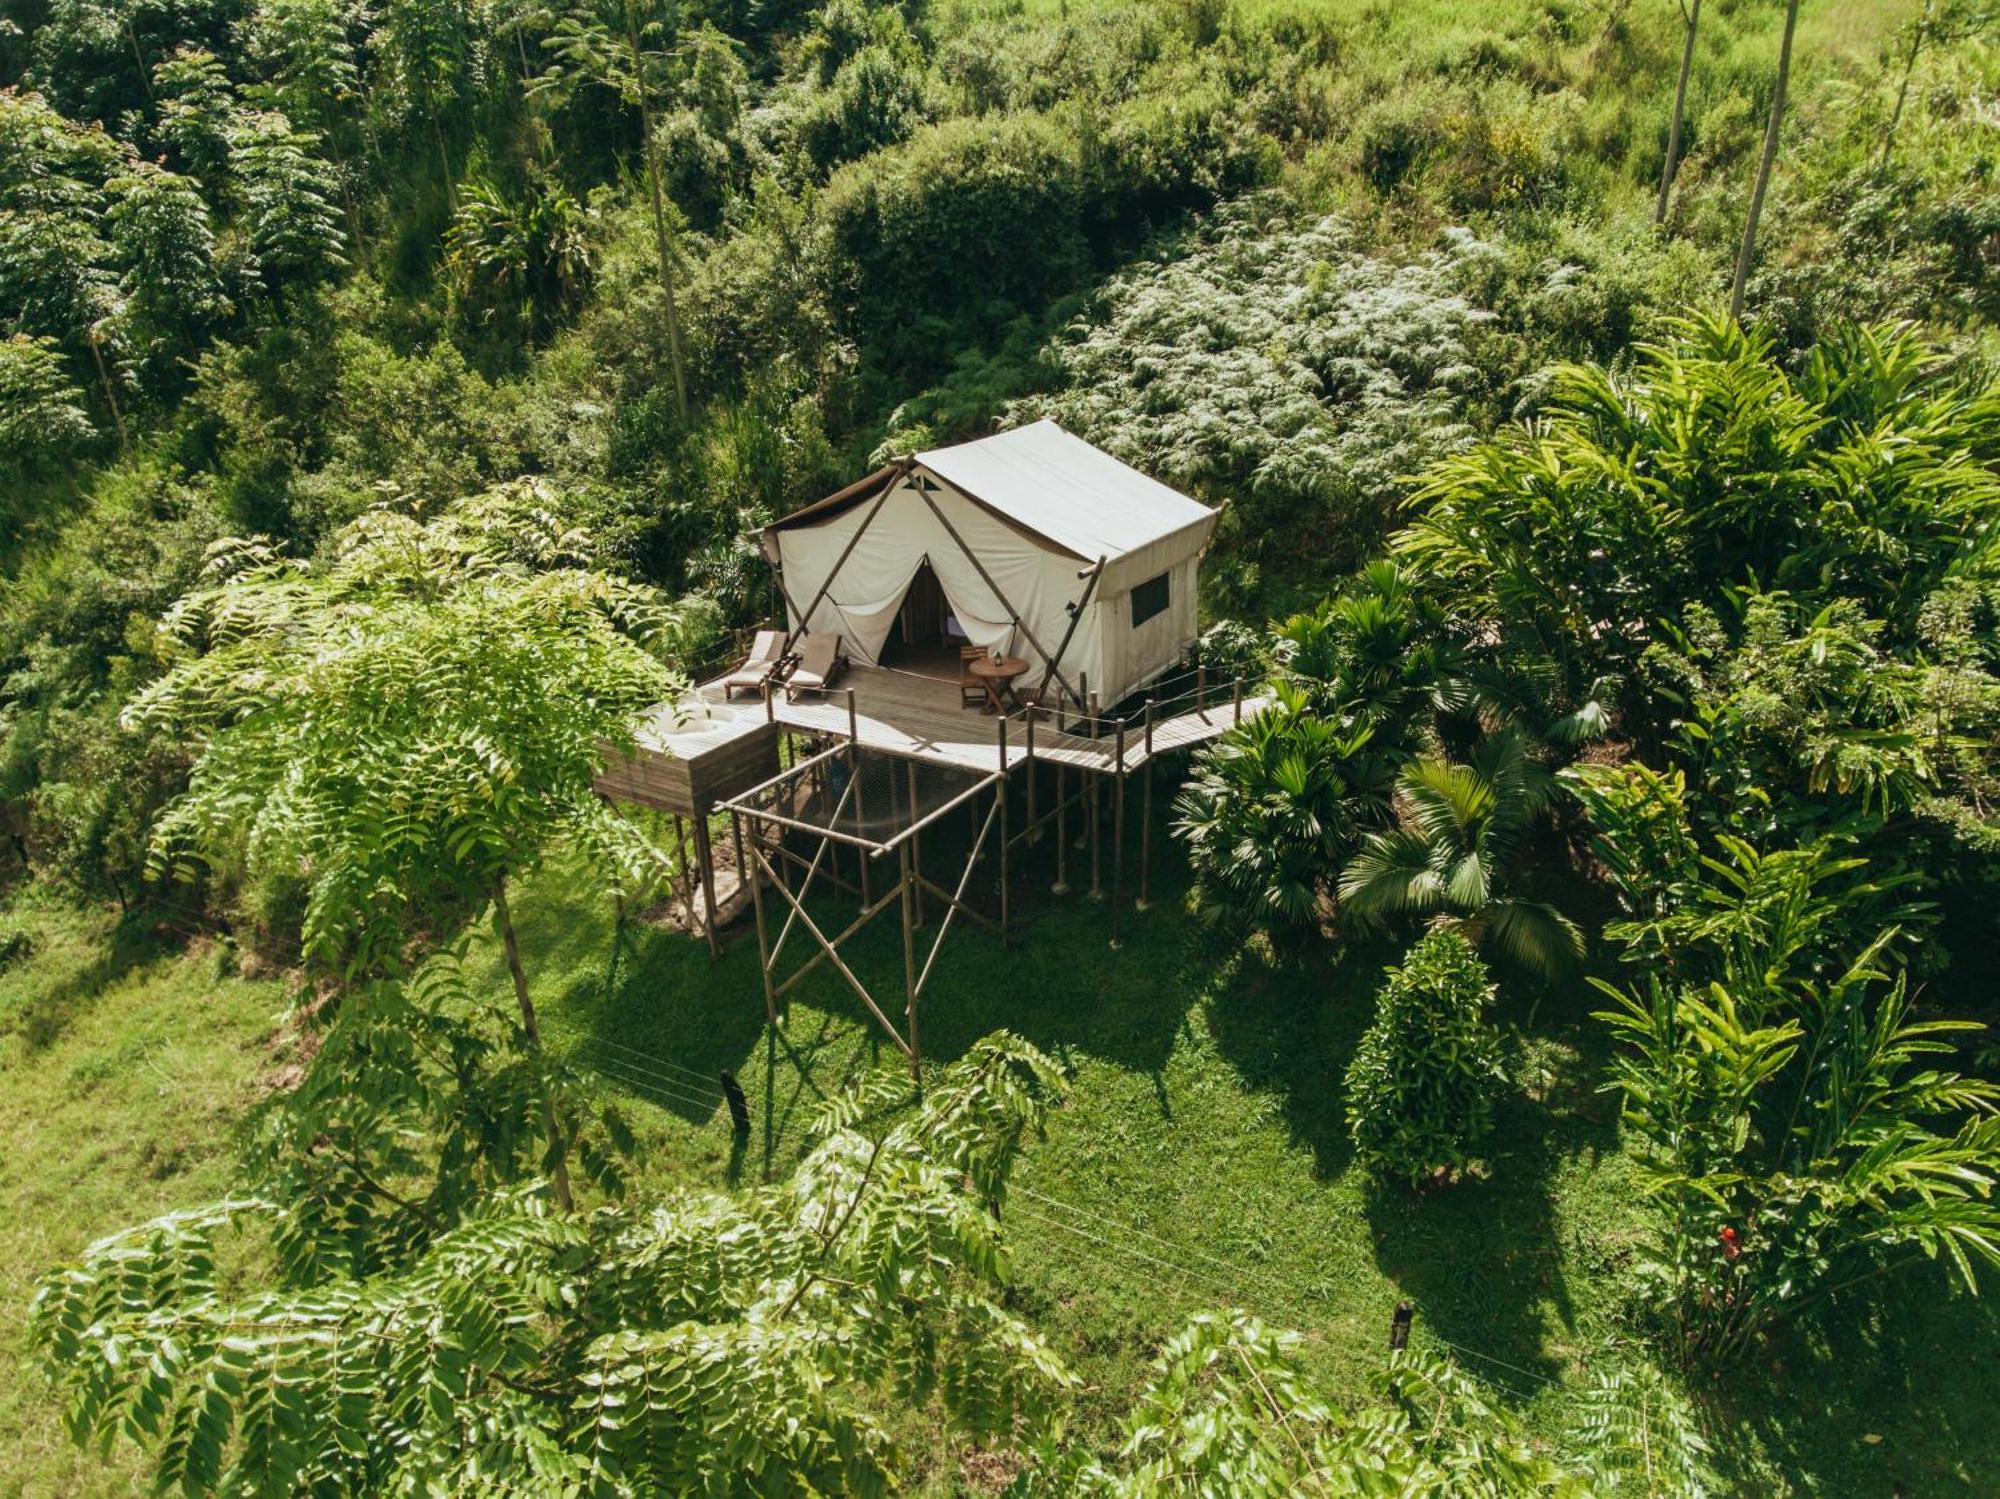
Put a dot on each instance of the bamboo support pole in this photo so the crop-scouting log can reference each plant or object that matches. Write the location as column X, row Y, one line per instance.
column 1118, row 832
column 1000, row 806
column 955, row 901
column 854, row 770
column 1095, row 814
column 916, row 842
column 1061, row 886
column 1034, row 831
column 909, row 962
column 838, row 962
column 705, row 856
column 804, row 970
column 756, row 879
column 1146, row 816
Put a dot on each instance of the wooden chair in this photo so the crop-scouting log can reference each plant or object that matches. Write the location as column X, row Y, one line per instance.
column 1040, row 699
column 821, row 660
column 971, row 690
column 766, row 658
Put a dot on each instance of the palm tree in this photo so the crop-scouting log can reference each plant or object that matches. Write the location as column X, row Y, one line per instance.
column 1272, row 810
column 1460, row 828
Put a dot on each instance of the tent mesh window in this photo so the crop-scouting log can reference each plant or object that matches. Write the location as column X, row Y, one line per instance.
column 861, row 795
column 1148, row 599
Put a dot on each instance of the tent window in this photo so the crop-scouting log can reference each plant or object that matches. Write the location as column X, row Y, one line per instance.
column 1149, row 598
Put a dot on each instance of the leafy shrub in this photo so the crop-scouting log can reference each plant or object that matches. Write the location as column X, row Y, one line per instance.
column 965, row 214
column 1798, row 1132
column 876, row 101
column 43, row 421
column 1710, row 461
column 1274, row 807
column 1421, row 1087
column 1272, row 364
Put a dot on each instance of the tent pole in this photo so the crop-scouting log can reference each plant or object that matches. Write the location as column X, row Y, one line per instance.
column 1076, row 618
column 987, row 578
column 838, row 563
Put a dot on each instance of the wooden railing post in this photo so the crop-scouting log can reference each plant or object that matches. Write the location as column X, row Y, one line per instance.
column 1201, row 687
column 1238, row 696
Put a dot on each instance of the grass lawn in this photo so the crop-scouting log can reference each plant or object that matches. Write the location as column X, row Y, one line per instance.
column 1201, row 1162
column 125, row 1063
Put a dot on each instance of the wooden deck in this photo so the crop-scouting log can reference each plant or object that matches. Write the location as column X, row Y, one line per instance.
column 904, row 713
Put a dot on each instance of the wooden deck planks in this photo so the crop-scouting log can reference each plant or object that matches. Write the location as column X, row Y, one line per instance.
column 901, row 712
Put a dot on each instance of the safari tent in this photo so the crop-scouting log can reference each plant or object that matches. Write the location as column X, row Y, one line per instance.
column 1031, row 543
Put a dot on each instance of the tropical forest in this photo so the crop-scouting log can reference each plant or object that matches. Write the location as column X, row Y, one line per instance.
column 1502, row 1002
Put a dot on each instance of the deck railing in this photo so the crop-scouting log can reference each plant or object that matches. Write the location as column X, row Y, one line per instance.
column 1188, row 690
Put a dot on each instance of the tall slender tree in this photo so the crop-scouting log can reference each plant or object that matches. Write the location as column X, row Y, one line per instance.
column 1691, row 18
column 624, row 46
column 1748, row 250
column 1939, row 24
column 409, row 727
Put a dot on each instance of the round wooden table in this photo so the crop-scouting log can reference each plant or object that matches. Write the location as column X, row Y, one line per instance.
column 997, row 677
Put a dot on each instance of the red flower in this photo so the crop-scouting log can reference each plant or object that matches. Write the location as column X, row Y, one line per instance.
column 1730, row 1248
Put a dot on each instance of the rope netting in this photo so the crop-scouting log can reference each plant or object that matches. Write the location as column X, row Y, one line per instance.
column 859, row 794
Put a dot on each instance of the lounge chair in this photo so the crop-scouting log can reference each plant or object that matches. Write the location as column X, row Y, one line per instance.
column 767, row 655
column 821, row 660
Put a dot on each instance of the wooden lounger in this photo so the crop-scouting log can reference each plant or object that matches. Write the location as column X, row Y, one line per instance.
column 821, row 660
column 767, row 654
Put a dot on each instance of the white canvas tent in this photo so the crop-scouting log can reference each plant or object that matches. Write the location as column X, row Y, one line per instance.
column 1044, row 546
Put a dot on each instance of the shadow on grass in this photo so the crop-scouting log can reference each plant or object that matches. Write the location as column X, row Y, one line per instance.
column 651, row 1007
column 1289, row 1024
column 1483, row 1259
column 48, row 996
column 1884, row 1394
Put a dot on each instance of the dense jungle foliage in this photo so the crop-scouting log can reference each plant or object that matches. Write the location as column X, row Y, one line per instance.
column 1603, row 397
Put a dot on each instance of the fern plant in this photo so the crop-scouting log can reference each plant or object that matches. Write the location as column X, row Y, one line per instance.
column 697, row 1343
column 1272, row 810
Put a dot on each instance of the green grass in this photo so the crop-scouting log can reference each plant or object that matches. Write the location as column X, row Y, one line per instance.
column 125, row 1062
column 1201, row 1161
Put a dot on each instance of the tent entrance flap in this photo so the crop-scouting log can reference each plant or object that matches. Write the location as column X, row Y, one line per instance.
column 925, row 606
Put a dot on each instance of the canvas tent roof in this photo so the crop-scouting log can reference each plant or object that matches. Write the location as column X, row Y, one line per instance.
column 1048, row 482
column 1036, row 540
